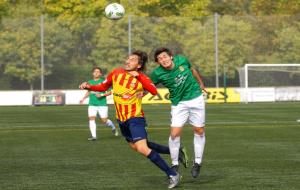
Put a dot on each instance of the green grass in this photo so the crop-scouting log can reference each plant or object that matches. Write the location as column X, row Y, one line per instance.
column 254, row 146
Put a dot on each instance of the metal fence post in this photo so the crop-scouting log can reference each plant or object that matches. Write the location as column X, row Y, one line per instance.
column 42, row 52
column 129, row 34
column 216, row 50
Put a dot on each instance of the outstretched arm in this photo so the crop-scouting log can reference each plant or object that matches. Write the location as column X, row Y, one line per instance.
column 107, row 93
column 105, row 85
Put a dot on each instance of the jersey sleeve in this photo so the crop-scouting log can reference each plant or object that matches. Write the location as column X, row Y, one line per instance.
column 105, row 85
column 186, row 61
column 147, row 83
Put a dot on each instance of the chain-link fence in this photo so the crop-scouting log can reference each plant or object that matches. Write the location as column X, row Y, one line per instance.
column 68, row 49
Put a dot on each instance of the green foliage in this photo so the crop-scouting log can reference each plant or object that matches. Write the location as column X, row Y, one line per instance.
column 234, row 44
column 289, row 43
column 111, row 44
column 77, row 35
column 267, row 7
column 232, row 7
column 166, row 7
column 20, row 49
column 3, row 8
column 73, row 9
column 275, row 38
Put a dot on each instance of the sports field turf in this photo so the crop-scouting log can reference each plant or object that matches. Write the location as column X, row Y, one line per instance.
column 254, row 146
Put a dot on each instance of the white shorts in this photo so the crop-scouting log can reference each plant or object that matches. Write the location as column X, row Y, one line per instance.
column 192, row 110
column 101, row 110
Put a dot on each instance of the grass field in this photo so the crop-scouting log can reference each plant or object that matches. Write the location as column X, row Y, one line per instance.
column 254, row 146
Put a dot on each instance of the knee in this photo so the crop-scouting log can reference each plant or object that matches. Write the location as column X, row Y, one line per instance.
column 199, row 131
column 140, row 149
column 133, row 147
column 175, row 133
column 143, row 150
column 104, row 120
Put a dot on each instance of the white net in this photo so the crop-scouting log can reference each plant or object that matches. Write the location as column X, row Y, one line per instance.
column 270, row 75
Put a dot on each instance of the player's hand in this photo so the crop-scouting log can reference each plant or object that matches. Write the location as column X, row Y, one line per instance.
column 134, row 73
column 99, row 95
column 203, row 88
column 140, row 95
column 84, row 85
column 81, row 101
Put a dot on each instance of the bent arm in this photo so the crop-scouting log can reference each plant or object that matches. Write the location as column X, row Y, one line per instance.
column 105, row 85
column 100, row 87
column 147, row 84
column 198, row 78
column 85, row 96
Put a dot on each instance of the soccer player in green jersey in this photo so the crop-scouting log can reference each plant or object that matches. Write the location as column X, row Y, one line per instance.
column 185, row 86
column 97, row 105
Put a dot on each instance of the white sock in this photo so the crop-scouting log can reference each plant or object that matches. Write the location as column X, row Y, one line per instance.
column 199, row 143
column 93, row 128
column 109, row 123
column 174, row 145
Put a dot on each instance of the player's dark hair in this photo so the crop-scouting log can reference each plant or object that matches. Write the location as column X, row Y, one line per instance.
column 94, row 68
column 143, row 58
column 160, row 50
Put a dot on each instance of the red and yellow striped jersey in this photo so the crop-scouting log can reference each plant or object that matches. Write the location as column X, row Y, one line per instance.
column 127, row 92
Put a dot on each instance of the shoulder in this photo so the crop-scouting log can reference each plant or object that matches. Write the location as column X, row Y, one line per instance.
column 180, row 59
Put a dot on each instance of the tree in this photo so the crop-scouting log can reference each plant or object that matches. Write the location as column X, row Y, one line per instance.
column 288, row 43
column 271, row 7
column 21, row 49
column 234, row 42
column 111, row 44
column 232, row 7
column 3, row 8
column 162, row 8
column 73, row 9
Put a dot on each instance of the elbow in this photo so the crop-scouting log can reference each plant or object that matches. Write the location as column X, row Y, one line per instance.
column 154, row 92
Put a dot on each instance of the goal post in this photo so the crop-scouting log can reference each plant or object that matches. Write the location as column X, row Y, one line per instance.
column 272, row 75
column 277, row 76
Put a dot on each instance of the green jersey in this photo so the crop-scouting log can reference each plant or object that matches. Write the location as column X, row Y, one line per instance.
column 93, row 99
column 180, row 81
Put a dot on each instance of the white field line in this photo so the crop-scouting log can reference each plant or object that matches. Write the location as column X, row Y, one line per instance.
column 216, row 124
column 150, row 123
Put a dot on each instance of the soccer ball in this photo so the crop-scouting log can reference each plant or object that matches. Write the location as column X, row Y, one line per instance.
column 114, row 11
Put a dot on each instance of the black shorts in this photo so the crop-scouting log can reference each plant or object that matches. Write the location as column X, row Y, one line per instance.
column 133, row 129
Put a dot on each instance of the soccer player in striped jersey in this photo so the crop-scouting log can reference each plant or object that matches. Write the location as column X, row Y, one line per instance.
column 185, row 86
column 97, row 105
column 128, row 84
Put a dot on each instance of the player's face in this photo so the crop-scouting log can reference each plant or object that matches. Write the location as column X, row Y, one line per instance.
column 132, row 63
column 97, row 73
column 165, row 60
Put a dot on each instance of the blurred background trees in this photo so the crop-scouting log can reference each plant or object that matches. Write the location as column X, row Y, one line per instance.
column 77, row 36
